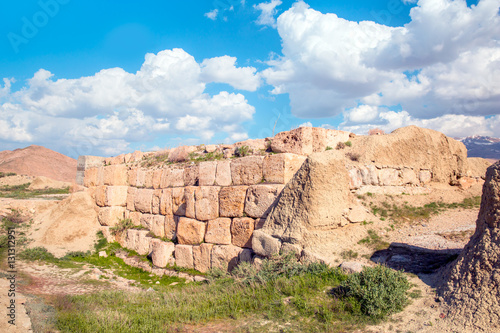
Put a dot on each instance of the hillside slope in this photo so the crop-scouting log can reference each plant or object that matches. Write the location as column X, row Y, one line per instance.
column 482, row 146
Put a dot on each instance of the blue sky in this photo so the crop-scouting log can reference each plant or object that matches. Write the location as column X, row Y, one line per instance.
column 100, row 78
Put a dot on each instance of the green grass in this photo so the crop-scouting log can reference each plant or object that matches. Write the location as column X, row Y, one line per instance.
column 349, row 254
column 243, row 151
column 22, row 191
column 348, row 143
column 212, row 156
column 374, row 241
column 7, row 174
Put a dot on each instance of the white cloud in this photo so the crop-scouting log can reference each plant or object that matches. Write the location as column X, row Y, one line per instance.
column 212, row 14
column 267, row 13
column 223, row 69
column 104, row 113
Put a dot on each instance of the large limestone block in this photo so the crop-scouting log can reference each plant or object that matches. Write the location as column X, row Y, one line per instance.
column 280, row 168
column 148, row 180
column 147, row 221
column 232, row 201
column 142, row 246
column 307, row 140
column 191, row 175
column 144, row 200
column 100, row 196
column 313, row 200
column 260, row 199
column 355, row 178
column 131, row 191
column 369, row 175
column 241, row 230
column 157, row 178
column 110, row 216
column 207, row 172
column 162, row 253
column 202, row 256
column 223, row 173
column 171, row 222
column 247, row 170
column 178, row 201
column 158, row 225
column 184, row 256
column 166, row 202
column 389, row 177
column 207, row 202
column 425, row 176
column 155, row 204
column 190, row 201
column 115, row 175
column 264, row 244
column 219, row 231
column 116, row 196
column 176, row 178
column 408, row 176
column 90, row 179
column 131, row 239
column 141, row 178
column 225, row 257
column 135, row 217
column 190, row 231
column 132, row 177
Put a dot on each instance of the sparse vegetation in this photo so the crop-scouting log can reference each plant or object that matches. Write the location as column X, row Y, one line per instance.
column 7, row 174
column 348, row 143
column 349, row 254
column 212, row 156
column 340, row 145
column 243, row 151
column 121, row 226
column 22, row 192
column 157, row 159
column 353, row 156
column 328, row 148
column 374, row 241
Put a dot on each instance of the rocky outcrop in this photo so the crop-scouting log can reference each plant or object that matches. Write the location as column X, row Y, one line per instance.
column 471, row 285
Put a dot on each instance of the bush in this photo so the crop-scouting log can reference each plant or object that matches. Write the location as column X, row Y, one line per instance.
column 121, row 226
column 379, row 290
column 340, row 145
column 348, row 143
column 37, row 253
column 243, row 151
column 353, row 156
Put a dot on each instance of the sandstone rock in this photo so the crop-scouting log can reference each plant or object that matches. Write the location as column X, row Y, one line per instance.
column 352, row 267
column 184, row 256
column 207, row 202
column 171, row 226
column 157, row 178
column 107, row 234
column 100, row 196
column 136, row 156
column 466, row 182
column 90, row 178
column 178, row 201
column 369, row 175
column 247, row 170
column 190, row 201
column 307, row 140
column 190, row 231
column 424, row 176
column 223, row 173
column 135, row 217
column 207, row 172
column 409, row 177
column 232, row 201
column 241, row 230
column 141, row 178
column 260, row 199
column 388, row 177
column 158, row 225
column 191, row 175
column 181, row 154
column 357, row 214
column 264, row 244
column 147, row 221
column 280, row 168
column 219, row 231
column 110, row 216
column 259, row 223
column 144, row 200
column 393, row 190
column 166, row 202
column 115, row 175
column 162, row 253
column 148, row 180
column 132, row 177
column 202, row 257
column 355, row 178
column 131, row 191
column 116, row 196
column 225, row 257
column 131, row 239
column 210, row 148
column 142, row 245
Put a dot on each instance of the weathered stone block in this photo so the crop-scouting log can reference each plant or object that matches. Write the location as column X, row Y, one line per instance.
column 178, row 201
column 219, row 231
column 225, row 257
column 132, row 177
column 202, row 255
column 241, row 230
column 355, row 178
column 293, row 248
column 131, row 239
column 147, row 221
column 162, row 253
column 144, row 200
column 425, row 176
column 280, row 168
column 247, row 170
column 135, row 217
column 148, row 180
column 100, row 196
column 207, row 172
column 388, row 177
column 191, row 175
column 115, row 175
column 158, row 225
column 357, row 214
column 232, row 201
column 116, row 196
column 141, row 178
column 184, row 256
column 143, row 240
column 369, row 175
column 264, row 244
column 131, row 191
column 110, row 216
column 155, row 204
column 166, row 202
column 90, row 178
column 245, row 255
column 176, row 177
column 107, row 234
column 409, row 177
column 259, row 223
column 190, row 201
column 207, row 202
column 190, row 231
column 171, row 222
column 165, row 178
column 307, row 140
column 260, row 198
column 157, row 178
column 223, row 173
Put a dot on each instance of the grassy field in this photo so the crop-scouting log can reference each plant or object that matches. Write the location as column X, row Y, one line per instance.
column 22, row 192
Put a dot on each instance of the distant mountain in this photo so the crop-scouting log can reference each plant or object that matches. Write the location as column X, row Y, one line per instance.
column 482, row 146
column 38, row 161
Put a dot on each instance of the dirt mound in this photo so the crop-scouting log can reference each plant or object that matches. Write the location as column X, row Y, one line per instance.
column 38, row 161
column 471, row 285
column 417, row 148
column 70, row 226
column 42, row 183
column 478, row 166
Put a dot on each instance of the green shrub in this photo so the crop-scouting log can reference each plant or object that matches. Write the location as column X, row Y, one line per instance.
column 348, row 143
column 328, row 148
column 121, row 226
column 37, row 253
column 243, row 151
column 379, row 290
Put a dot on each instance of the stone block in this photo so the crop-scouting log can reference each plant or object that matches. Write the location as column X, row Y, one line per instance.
column 171, row 222
column 162, row 253
column 219, row 231
column 110, row 216
column 355, row 178
column 369, row 175
column 207, row 172
column 165, row 178
column 232, row 201
column 207, row 202
column 409, row 177
column 225, row 257
column 259, row 223
column 223, row 173
column 264, row 244
column 176, row 177
column 135, row 217
column 191, row 175
column 388, row 177
column 184, row 256
column 166, row 202
column 155, row 204
column 144, row 200
column 147, row 221
column 247, row 170
column 90, row 178
column 142, row 246
column 115, row 175
column 108, row 235
column 190, row 201
column 357, row 214
column 307, row 140
column 178, row 201
column 157, row 178
column 190, row 231
column 425, row 176
column 100, row 196
column 241, row 231
column 116, row 196
column 202, row 255
column 131, row 191
column 260, row 199
column 280, row 168
column 141, row 178
column 148, row 180
column 158, row 225
column 131, row 239
column 245, row 255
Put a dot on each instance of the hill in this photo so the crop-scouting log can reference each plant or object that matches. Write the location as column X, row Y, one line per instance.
column 38, row 161
column 482, row 146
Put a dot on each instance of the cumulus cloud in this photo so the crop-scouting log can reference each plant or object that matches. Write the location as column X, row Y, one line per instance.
column 104, row 113
column 212, row 14
column 267, row 12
